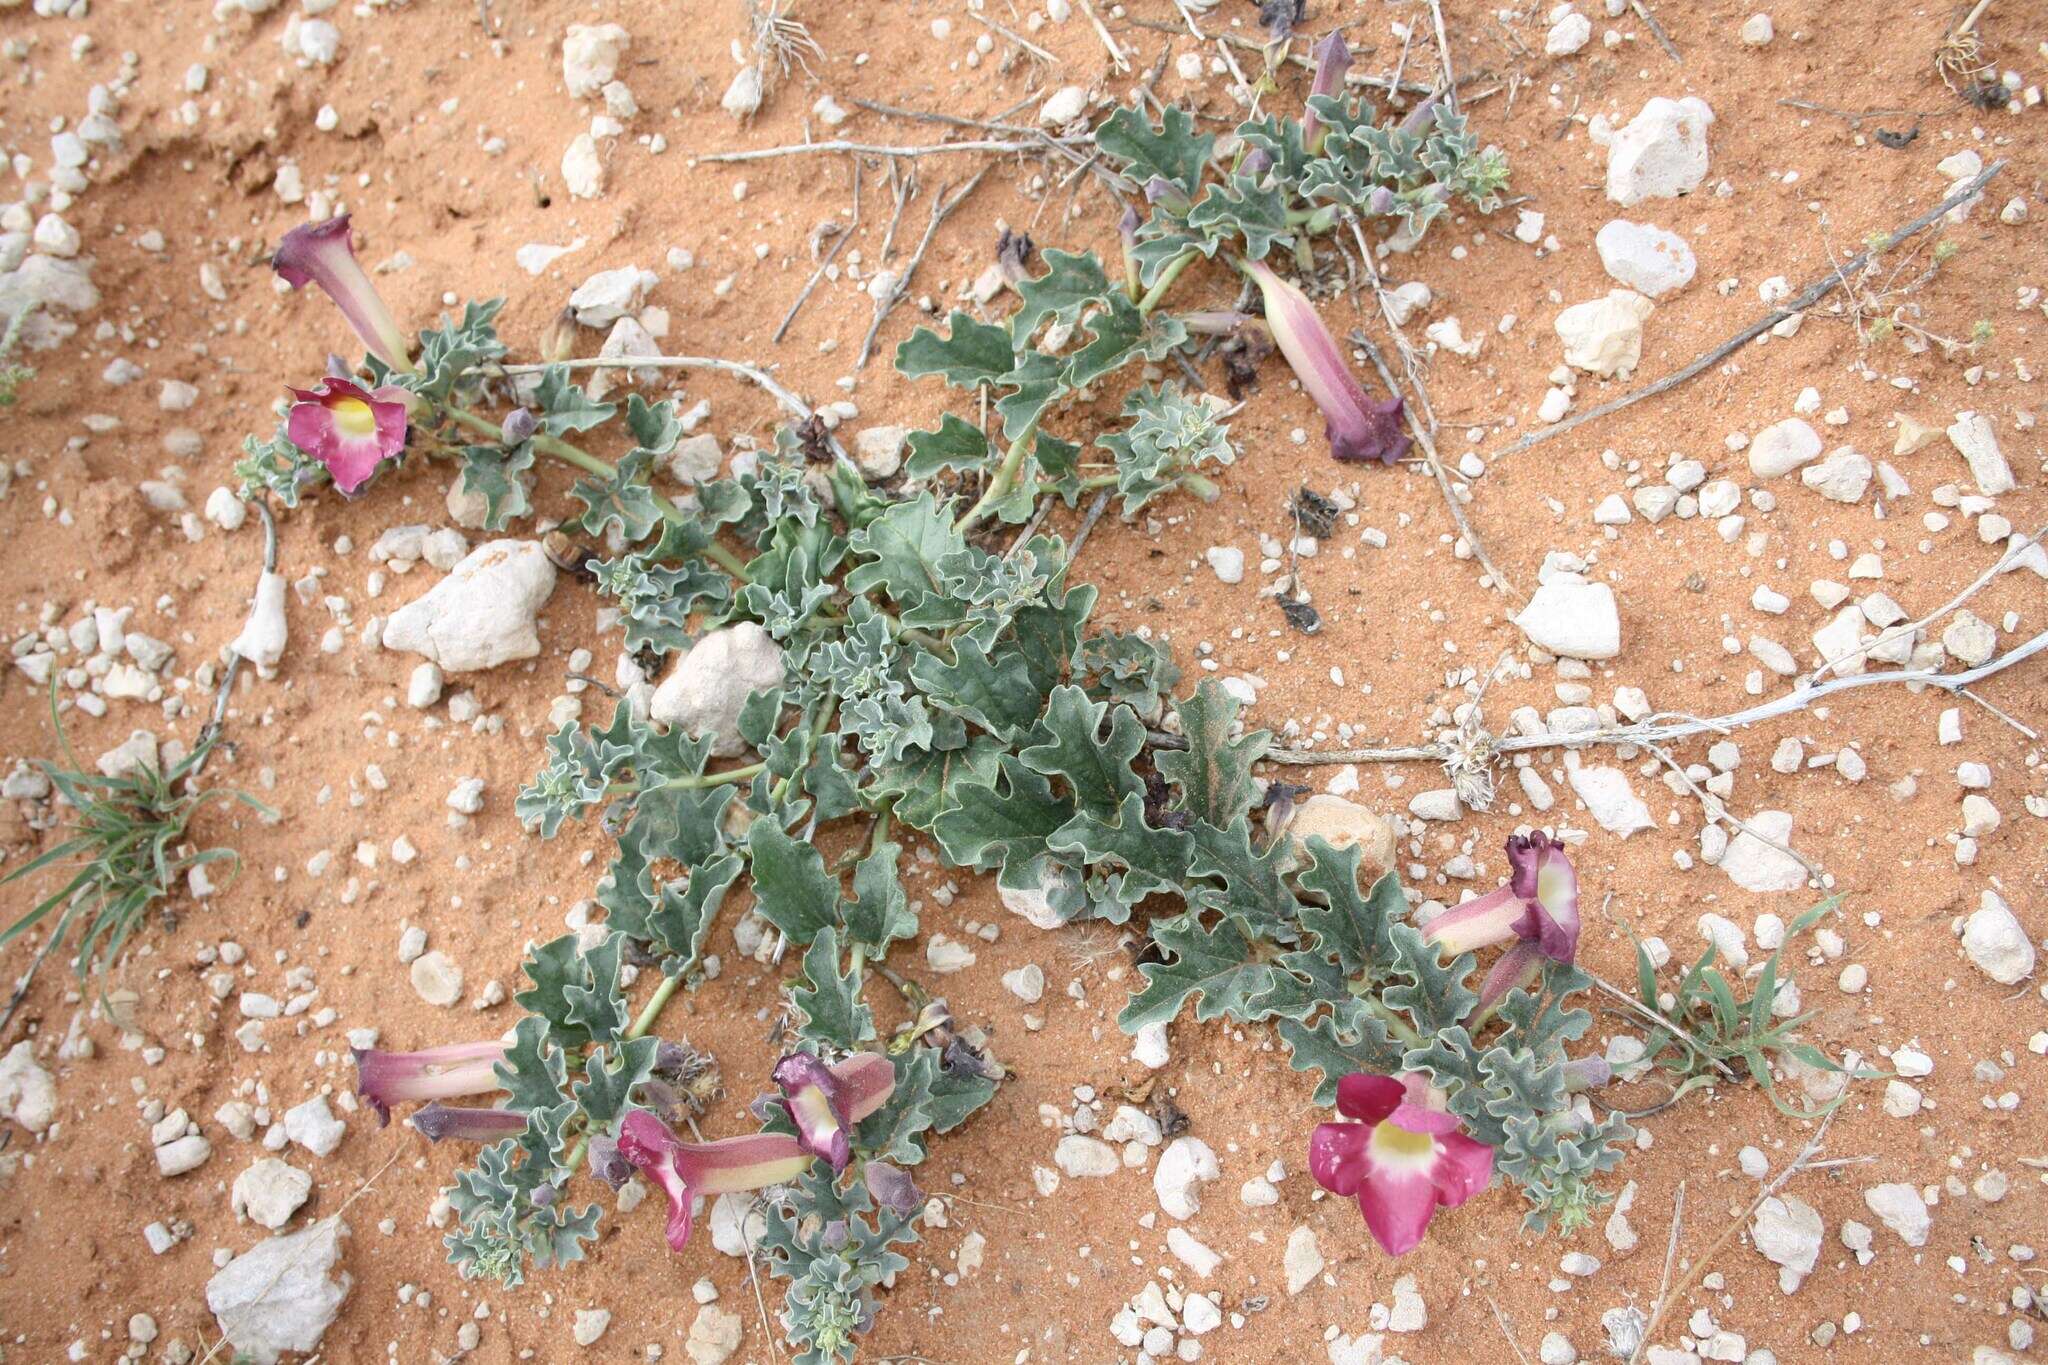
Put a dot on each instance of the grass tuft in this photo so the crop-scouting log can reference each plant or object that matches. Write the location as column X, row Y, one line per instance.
column 124, row 851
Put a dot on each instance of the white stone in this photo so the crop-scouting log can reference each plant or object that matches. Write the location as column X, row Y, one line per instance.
column 1573, row 617
column 1841, row 477
column 1788, row 1231
column 1032, row 904
column 1303, row 1260
column 1975, row 440
column 1604, row 336
column 1726, row 936
column 270, row 1192
column 1901, row 1209
column 590, row 56
column 743, row 96
column 277, row 1296
column 1756, row 866
column 314, row 1127
column 714, row 1335
column 1612, row 511
column 1610, row 800
column 1646, row 258
column 27, row 1094
column 1567, row 35
column 605, row 297
column 1782, row 447
column 1191, row 1252
column 1186, row 1163
column 1226, row 562
column 1063, row 106
column 1084, row 1157
column 879, row 450
column 1839, row 640
column 1757, row 30
column 1149, row 1046
column 1993, row 938
column 1404, row 301
column 482, row 614
column 946, row 956
column 1661, row 154
column 582, row 168
column 591, row 1325
column 1199, row 1315
column 1409, row 1313
column 710, row 686
column 183, row 1154
column 436, row 978
column 1027, row 983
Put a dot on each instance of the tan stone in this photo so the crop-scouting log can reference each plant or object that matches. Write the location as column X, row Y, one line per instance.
column 1341, row 824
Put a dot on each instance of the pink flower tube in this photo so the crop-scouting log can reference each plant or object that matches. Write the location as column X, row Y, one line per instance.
column 686, row 1170
column 1333, row 59
column 1401, row 1160
column 320, row 253
column 1538, row 908
column 825, row 1102
column 1358, row 427
column 350, row 430
column 437, row 1073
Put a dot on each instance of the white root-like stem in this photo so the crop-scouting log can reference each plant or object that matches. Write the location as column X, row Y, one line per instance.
column 839, row 147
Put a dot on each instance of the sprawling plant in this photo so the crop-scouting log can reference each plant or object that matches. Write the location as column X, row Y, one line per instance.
column 941, row 682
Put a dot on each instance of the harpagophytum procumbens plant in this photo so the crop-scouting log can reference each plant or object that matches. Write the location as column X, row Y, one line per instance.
column 941, row 685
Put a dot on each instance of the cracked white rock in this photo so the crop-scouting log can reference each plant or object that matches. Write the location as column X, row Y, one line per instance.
column 743, row 97
column 1604, row 336
column 1186, row 1163
column 582, row 168
column 1662, row 153
column 1841, row 477
column 714, row 1335
column 270, row 1192
column 1610, row 800
column 1063, row 106
column 482, row 614
column 278, row 1296
column 1754, row 865
column 1648, row 259
column 314, row 1127
column 608, row 295
column 1977, row 442
column 27, row 1094
column 590, row 56
column 1995, row 941
column 1302, row 1261
column 263, row 636
column 710, row 686
column 1782, row 447
column 1788, row 1231
column 1901, row 1209
column 1084, row 1157
column 1574, row 617
column 436, row 978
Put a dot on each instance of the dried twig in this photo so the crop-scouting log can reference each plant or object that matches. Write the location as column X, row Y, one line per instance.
column 1033, row 48
column 845, row 235
column 942, row 209
column 840, row 146
column 1506, row 1330
column 1656, row 30
column 1808, row 297
column 1665, row 1298
column 1718, row 811
column 2018, row 546
column 1116, row 54
column 1088, row 524
column 1855, row 118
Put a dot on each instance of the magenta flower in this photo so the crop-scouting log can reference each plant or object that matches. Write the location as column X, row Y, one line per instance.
column 348, row 429
column 320, row 253
column 1403, row 1158
column 1538, row 908
column 1358, row 427
column 438, row 1073
column 825, row 1102
column 686, row 1170
column 1333, row 59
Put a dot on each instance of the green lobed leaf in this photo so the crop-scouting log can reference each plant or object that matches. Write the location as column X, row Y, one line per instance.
column 957, row 445
column 833, row 1013
column 1360, row 1043
column 972, row 353
column 1214, row 772
column 1072, row 281
column 1217, row 965
column 1173, row 151
column 494, row 473
column 1097, row 771
column 879, row 912
column 792, row 889
column 565, row 407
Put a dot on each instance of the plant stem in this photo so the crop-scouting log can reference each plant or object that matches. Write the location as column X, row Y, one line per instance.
column 698, row 782
column 652, row 1010
column 590, row 464
column 1166, row 279
column 1396, row 1025
column 1006, row 476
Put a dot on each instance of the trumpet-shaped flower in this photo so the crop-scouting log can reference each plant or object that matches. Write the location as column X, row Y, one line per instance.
column 1538, row 908
column 320, row 253
column 826, row 1101
column 1402, row 1158
column 437, row 1073
column 350, row 430
column 1358, row 427
column 686, row 1170
column 468, row 1124
column 1333, row 59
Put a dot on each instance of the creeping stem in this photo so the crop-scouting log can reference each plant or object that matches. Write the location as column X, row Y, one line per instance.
column 590, row 464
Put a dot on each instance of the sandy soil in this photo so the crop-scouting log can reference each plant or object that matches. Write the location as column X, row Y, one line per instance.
column 420, row 88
